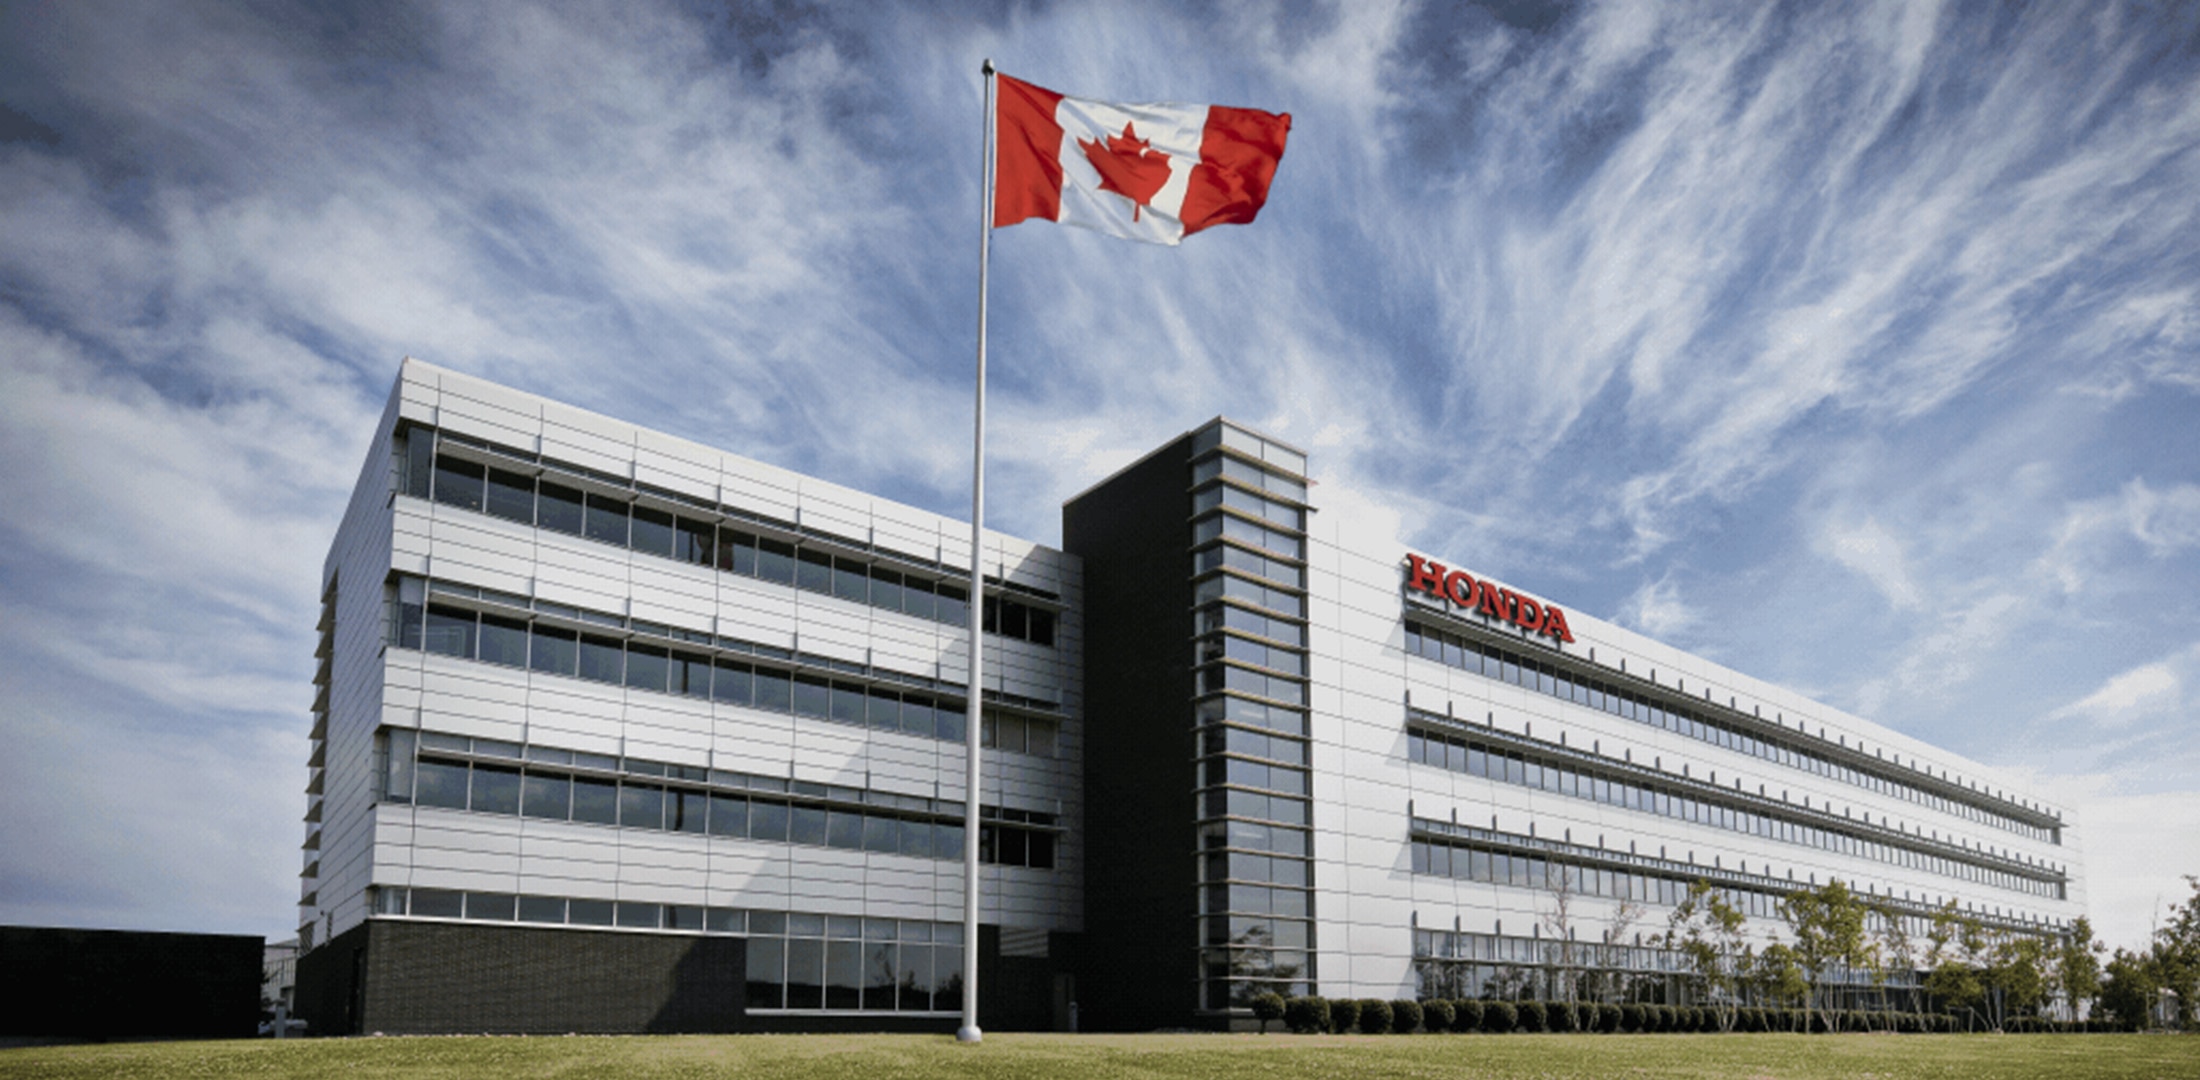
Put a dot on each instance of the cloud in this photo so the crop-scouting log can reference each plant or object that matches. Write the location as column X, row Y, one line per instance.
column 1656, row 609
column 1875, row 554
column 2148, row 690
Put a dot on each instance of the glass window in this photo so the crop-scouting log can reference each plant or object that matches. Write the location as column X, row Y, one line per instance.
column 953, row 607
column 606, row 520
column 418, row 445
column 813, row 571
column 774, row 690
column 504, row 641
column 885, row 589
column 807, row 826
column 805, row 974
column 555, row 651
column 775, row 561
column 847, row 705
column 589, row 912
column 812, row 696
column 952, row 722
column 602, row 659
column 595, row 801
column 450, row 631
column 458, row 483
column 852, row 580
column 559, row 509
column 882, row 710
column 917, row 716
column 647, row 667
column 542, row 909
column 438, row 903
column 440, row 783
column 691, row 675
column 729, row 816
column 692, row 542
column 732, row 684
column 844, row 829
column 686, row 811
column 641, row 806
column 766, row 974
column 511, row 496
column 652, row 531
column 768, row 821
column 496, row 790
column 917, row 598
column 546, row 796
column 640, row 915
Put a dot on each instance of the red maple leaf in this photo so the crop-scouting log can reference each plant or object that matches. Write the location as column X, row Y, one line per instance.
column 1128, row 166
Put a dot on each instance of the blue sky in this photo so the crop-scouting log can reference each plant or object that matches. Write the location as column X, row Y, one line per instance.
column 1854, row 346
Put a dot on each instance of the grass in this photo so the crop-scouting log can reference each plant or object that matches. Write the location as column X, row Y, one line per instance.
column 1204, row 1057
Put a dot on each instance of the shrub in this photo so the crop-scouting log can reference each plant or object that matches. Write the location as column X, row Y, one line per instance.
column 1559, row 1016
column 1687, row 1018
column 1405, row 1016
column 1306, row 1015
column 1669, row 1018
column 1438, row 1015
column 1532, row 1017
column 1374, row 1016
column 1499, row 1017
column 1466, row 1015
column 1266, row 1007
column 1630, row 1017
column 1607, row 1018
column 1344, row 1015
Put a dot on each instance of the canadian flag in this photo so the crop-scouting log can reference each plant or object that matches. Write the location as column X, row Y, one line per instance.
column 1157, row 173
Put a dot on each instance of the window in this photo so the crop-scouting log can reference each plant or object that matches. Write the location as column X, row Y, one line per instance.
column 458, row 483
column 559, row 509
column 606, row 520
column 652, row 532
column 450, row 631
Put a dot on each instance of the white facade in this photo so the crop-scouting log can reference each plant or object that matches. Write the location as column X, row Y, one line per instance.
column 371, row 844
column 457, row 643
column 1367, row 788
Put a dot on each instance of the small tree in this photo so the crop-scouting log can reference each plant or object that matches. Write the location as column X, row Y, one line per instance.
column 2129, row 992
column 1405, row 1016
column 1499, row 1017
column 1438, row 1014
column 2016, row 977
column 2078, row 967
column 1374, row 1016
column 1778, row 976
column 1707, row 932
column 1466, row 1015
column 2177, row 953
column 1531, row 1016
column 1267, row 1006
column 1344, row 1015
column 1828, row 925
column 1955, row 947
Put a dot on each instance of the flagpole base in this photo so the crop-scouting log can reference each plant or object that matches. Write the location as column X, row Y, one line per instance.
column 969, row 1033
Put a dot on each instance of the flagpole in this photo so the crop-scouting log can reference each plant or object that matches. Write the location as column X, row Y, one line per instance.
column 970, row 1032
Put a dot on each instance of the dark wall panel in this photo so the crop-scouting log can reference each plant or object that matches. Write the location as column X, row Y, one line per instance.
column 1134, row 536
column 441, row 978
column 118, row 984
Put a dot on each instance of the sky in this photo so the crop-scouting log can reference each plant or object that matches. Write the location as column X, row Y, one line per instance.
column 1854, row 346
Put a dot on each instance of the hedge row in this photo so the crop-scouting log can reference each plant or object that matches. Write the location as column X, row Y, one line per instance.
column 1371, row 1016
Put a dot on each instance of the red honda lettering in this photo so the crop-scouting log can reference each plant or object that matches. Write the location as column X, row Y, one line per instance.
column 1554, row 624
column 1529, row 614
column 1493, row 601
column 1427, row 576
column 1460, row 587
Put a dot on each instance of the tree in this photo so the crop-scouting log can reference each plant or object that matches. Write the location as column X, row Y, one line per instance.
column 1778, row 976
column 1561, row 896
column 1897, row 951
column 2177, row 953
column 1828, row 925
column 1956, row 943
column 2131, row 989
column 2015, row 976
column 1707, row 930
column 2078, row 967
column 1267, row 1006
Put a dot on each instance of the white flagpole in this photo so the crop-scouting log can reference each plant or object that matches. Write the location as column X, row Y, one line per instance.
column 970, row 1032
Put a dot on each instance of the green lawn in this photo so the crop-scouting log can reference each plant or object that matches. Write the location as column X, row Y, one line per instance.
column 1331, row 1057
